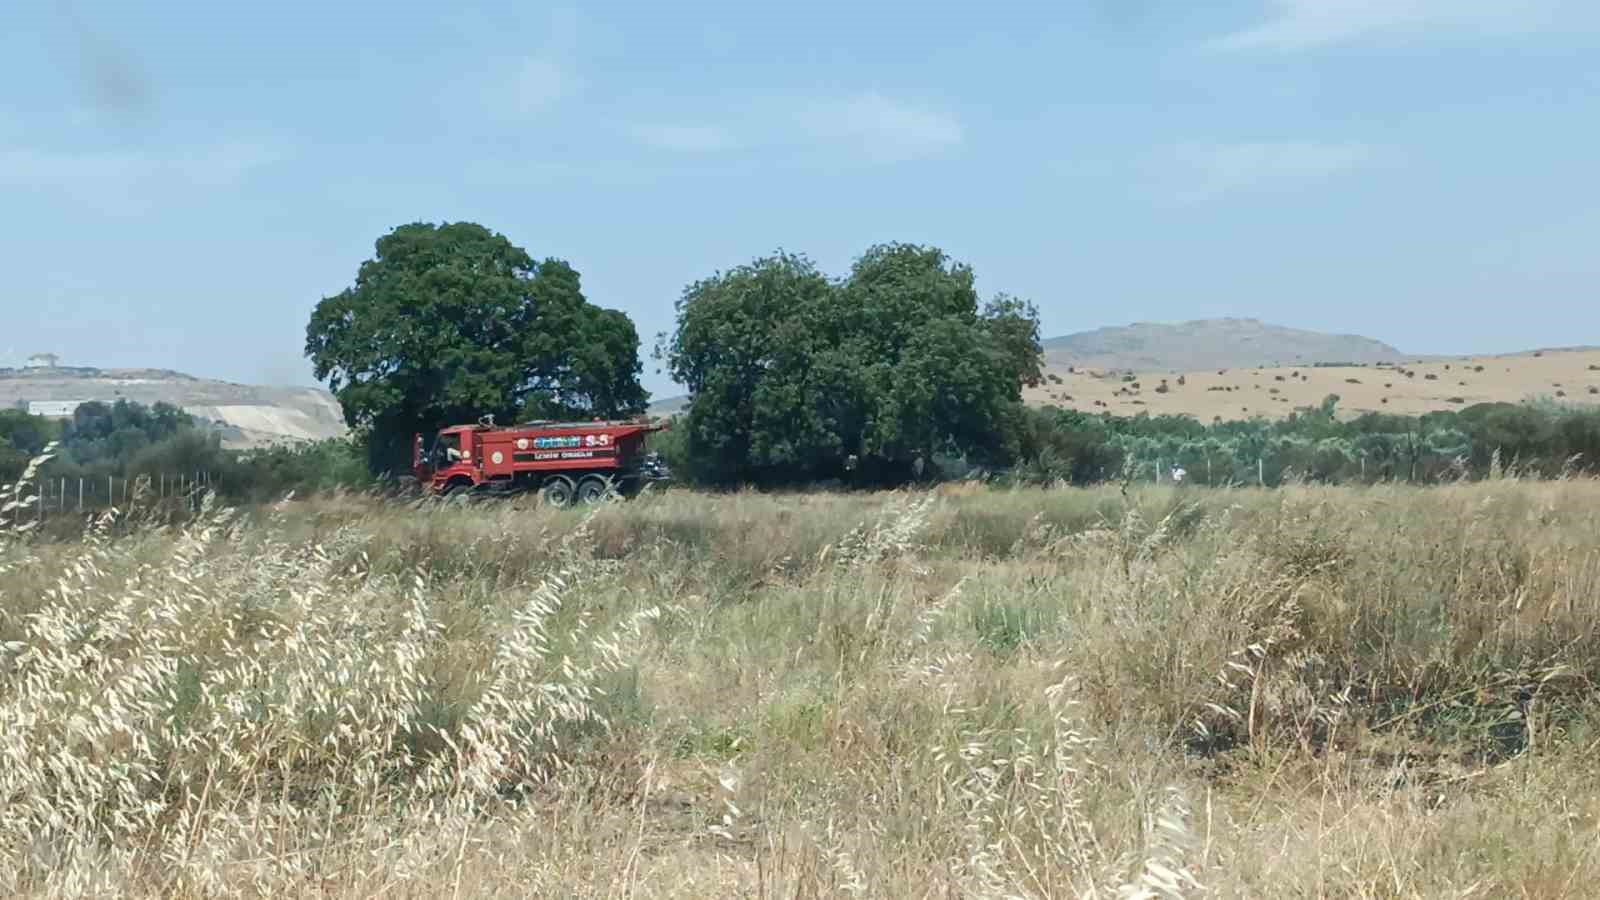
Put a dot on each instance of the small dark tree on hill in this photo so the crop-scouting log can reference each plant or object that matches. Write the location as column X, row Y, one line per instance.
column 447, row 323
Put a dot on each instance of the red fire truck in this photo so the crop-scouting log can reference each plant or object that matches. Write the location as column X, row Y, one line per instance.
column 563, row 461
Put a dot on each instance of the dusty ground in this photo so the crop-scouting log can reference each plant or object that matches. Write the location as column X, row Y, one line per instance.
column 1571, row 376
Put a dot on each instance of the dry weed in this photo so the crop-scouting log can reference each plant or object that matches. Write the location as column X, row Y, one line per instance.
column 1312, row 692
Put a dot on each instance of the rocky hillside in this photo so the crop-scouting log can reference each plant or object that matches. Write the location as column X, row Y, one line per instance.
column 1210, row 344
column 247, row 415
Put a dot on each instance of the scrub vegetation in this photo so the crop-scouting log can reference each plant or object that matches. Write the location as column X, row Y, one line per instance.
column 1382, row 691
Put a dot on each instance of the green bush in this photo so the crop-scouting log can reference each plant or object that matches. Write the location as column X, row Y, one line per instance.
column 127, row 440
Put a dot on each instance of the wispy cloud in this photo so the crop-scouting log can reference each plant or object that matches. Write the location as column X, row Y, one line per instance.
column 9, row 124
column 1301, row 24
column 1197, row 171
column 131, row 178
column 879, row 128
column 520, row 172
column 511, row 91
column 864, row 127
column 27, row 165
column 538, row 83
column 536, row 80
column 226, row 163
column 683, row 138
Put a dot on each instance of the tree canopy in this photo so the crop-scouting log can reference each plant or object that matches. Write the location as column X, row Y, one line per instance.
column 26, row 434
column 451, row 322
column 100, row 432
column 791, row 374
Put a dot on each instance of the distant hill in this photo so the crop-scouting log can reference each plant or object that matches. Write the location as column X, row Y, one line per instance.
column 246, row 415
column 1210, row 344
column 1186, row 346
column 669, row 406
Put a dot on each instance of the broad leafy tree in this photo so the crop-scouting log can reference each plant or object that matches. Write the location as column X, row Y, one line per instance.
column 742, row 348
column 794, row 375
column 452, row 322
column 27, row 434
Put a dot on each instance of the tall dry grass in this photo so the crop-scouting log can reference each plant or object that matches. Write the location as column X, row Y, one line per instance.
column 1382, row 692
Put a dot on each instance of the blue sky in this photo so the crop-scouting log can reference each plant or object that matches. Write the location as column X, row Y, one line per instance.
column 182, row 182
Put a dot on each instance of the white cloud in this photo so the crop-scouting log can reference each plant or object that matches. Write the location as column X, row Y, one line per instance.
column 521, row 172
column 519, row 86
column 683, row 138
column 25, row 165
column 227, row 163
column 880, row 128
column 539, row 83
column 111, row 174
column 1203, row 170
column 1300, row 24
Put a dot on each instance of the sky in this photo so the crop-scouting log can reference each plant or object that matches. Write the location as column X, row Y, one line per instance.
column 183, row 182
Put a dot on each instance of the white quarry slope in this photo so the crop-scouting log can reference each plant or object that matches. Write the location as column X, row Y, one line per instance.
column 247, row 415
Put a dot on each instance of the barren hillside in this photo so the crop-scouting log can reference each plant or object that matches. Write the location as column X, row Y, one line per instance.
column 1210, row 344
column 248, row 415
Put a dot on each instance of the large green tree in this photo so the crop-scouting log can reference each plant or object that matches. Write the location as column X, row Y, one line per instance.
column 791, row 374
column 451, row 322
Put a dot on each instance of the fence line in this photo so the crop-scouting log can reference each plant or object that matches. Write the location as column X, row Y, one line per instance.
column 62, row 495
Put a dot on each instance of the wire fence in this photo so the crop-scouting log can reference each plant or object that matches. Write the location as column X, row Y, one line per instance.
column 56, row 496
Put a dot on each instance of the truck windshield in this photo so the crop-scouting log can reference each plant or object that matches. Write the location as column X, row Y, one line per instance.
column 446, row 449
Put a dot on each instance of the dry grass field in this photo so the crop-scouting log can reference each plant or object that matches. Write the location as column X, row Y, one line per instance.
column 1314, row 692
column 1408, row 388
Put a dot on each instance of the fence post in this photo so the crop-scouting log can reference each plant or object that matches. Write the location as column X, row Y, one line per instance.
column 63, row 493
column 80, row 493
column 1261, row 470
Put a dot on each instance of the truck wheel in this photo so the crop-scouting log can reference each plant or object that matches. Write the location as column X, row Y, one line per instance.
column 593, row 489
column 557, row 492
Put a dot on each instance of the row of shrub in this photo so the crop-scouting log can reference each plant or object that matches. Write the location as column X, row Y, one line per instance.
column 1048, row 446
column 128, row 440
column 1051, row 445
column 1535, row 439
